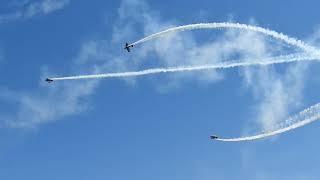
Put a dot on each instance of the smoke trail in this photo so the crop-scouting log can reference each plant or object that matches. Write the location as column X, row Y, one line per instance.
column 305, row 117
column 313, row 53
column 227, row 25
column 223, row 65
column 310, row 53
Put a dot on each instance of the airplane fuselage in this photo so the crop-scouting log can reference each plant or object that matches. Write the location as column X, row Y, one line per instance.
column 127, row 47
column 213, row 137
column 49, row 80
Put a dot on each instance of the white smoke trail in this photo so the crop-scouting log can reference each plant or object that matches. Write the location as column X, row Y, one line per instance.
column 310, row 53
column 227, row 25
column 305, row 117
column 313, row 53
column 223, row 65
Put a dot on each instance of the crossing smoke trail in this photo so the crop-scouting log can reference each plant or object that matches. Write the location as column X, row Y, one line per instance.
column 305, row 117
column 310, row 53
column 227, row 25
column 224, row 65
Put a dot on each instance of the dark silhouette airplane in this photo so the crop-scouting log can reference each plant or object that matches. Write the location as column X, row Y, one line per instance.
column 127, row 47
column 49, row 80
column 213, row 137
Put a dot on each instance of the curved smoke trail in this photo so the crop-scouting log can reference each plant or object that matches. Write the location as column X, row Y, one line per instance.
column 310, row 53
column 305, row 117
column 224, row 65
column 227, row 25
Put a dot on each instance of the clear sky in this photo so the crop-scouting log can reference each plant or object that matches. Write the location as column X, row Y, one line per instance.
column 154, row 127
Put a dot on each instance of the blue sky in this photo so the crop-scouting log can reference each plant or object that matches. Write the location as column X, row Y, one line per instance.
column 153, row 127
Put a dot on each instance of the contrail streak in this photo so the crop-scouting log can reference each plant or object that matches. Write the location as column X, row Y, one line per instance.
column 224, row 65
column 305, row 117
column 227, row 25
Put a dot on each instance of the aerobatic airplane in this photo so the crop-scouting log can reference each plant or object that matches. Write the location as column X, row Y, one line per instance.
column 127, row 47
column 213, row 137
column 49, row 80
